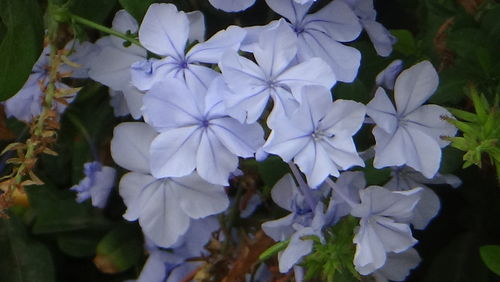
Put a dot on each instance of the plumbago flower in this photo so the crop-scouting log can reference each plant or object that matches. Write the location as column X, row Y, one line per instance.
column 320, row 34
column 275, row 76
column 173, row 265
column 345, row 194
column 383, row 226
column 111, row 65
column 164, row 206
column 302, row 221
column 165, row 32
column 232, row 5
column 381, row 38
column 411, row 133
column 27, row 103
column 196, row 133
column 397, row 266
column 318, row 137
column 97, row 184
column 387, row 77
column 406, row 178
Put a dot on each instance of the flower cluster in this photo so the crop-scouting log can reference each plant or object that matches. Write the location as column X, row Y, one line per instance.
column 202, row 105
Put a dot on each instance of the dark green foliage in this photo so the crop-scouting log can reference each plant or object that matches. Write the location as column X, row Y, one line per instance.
column 23, row 258
column 333, row 261
column 21, row 43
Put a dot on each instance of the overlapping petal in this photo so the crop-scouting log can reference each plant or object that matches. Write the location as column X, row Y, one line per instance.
column 164, row 30
column 232, row 5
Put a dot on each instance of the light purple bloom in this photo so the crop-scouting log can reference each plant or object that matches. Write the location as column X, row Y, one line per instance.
column 381, row 38
column 397, row 266
column 302, row 221
column 111, row 65
column 387, row 77
column 232, row 5
column 345, row 194
column 172, row 265
column 410, row 133
column 165, row 32
column 196, row 133
column 383, row 226
column 406, row 178
column 97, row 184
column 318, row 137
column 27, row 103
column 320, row 34
column 275, row 75
column 164, row 206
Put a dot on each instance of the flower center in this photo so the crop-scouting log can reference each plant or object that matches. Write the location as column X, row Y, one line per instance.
column 298, row 29
column 205, row 123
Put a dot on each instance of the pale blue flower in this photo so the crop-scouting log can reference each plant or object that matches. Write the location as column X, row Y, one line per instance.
column 196, row 133
column 387, row 77
column 318, row 137
column 27, row 103
column 111, row 65
column 232, row 5
column 411, row 133
column 97, row 184
column 345, row 194
column 320, row 34
column 302, row 221
column 383, row 226
column 381, row 38
column 165, row 32
column 163, row 206
column 405, row 178
column 275, row 75
column 397, row 266
column 173, row 265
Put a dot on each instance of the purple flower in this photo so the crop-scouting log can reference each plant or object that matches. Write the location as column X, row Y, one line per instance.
column 320, row 34
column 381, row 38
column 302, row 221
column 318, row 137
column 196, row 133
column 165, row 32
column 232, row 5
column 387, row 77
column 97, row 184
column 383, row 225
column 405, row 178
column 163, row 206
column 275, row 75
column 410, row 133
column 111, row 65
column 27, row 103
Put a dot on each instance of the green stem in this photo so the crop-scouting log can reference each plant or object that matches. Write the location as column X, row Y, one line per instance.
column 102, row 28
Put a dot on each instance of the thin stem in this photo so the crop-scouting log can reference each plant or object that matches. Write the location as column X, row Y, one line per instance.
column 105, row 29
column 304, row 189
column 334, row 187
column 77, row 123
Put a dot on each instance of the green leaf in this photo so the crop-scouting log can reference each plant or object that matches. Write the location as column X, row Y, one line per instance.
column 356, row 91
column 119, row 249
column 137, row 8
column 273, row 250
column 375, row 176
column 23, row 259
column 79, row 244
column 21, row 45
column 406, row 43
column 491, row 23
column 57, row 211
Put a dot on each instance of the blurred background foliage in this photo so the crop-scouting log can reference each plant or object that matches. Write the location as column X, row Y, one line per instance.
column 49, row 237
